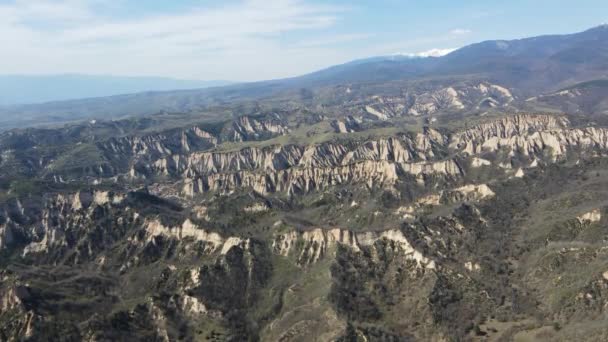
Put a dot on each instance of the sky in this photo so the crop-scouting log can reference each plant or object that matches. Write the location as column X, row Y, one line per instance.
column 247, row 40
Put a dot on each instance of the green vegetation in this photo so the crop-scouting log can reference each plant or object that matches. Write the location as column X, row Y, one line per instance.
column 81, row 156
column 112, row 230
column 588, row 84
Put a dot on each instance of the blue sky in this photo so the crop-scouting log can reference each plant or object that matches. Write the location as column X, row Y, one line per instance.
column 249, row 40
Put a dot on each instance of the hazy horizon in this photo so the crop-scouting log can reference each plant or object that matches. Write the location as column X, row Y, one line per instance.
column 31, row 89
column 254, row 40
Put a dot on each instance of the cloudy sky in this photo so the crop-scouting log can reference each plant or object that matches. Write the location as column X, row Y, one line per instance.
column 245, row 40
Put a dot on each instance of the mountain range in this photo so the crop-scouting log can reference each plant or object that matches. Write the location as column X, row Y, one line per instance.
column 28, row 89
column 456, row 198
column 529, row 66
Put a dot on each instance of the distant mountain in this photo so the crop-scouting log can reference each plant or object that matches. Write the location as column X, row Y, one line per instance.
column 393, row 199
column 24, row 89
column 538, row 64
column 582, row 98
column 531, row 66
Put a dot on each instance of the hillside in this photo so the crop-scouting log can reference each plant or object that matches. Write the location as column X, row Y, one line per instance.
column 387, row 200
column 528, row 66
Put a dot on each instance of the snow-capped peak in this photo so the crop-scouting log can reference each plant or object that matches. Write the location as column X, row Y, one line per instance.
column 428, row 53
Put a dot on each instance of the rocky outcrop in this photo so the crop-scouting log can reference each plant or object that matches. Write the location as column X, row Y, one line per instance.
column 349, row 124
column 378, row 163
column 479, row 162
column 313, row 245
column 495, row 91
column 449, row 168
column 400, row 149
column 12, row 298
column 159, row 144
column 60, row 221
column 588, row 98
column 301, row 169
column 275, row 158
column 374, row 174
column 471, row 192
column 246, row 128
column 529, row 135
column 67, row 213
column 466, row 193
column 296, row 180
column 191, row 306
column 176, row 141
column 592, row 216
column 457, row 97
column 429, row 103
column 505, row 128
column 6, row 234
column 189, row 230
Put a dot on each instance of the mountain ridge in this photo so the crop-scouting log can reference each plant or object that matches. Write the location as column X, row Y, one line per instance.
column 16, row 89
column 530, row 66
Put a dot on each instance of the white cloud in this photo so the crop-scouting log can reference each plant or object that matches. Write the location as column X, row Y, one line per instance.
column 334, row 40
column 460, row 32
column 240, row 41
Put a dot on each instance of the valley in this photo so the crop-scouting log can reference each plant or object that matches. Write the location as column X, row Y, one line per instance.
column 445, row 205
